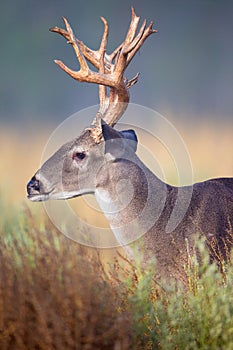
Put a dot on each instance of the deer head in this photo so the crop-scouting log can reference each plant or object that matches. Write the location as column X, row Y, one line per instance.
column 80, row 165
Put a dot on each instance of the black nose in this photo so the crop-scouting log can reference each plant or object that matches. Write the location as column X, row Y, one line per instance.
column 33, row 186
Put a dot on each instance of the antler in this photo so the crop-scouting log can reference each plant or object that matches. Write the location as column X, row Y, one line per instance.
column 110, row 68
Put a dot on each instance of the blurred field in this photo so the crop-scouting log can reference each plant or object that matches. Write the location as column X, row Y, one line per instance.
column 211, row 149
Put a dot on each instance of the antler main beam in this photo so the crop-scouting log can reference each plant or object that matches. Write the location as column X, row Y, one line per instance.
column 110, row 67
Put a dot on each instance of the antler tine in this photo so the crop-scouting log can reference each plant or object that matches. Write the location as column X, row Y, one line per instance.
column 73, row 42
column 131, row 82
column 105, row 35
column 121, row 58
column 132, row 28
column 139, row 40
column 102, row 88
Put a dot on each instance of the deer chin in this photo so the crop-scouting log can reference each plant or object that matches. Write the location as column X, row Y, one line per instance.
column 39, row 197
column 57, row 196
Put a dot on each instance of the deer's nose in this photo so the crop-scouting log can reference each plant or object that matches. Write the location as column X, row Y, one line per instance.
column 33, row 186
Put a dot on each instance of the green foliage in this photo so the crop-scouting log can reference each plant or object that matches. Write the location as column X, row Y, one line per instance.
column 55, row 294
column 173, row 317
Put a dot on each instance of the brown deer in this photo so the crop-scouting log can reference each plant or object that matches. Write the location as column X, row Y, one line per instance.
column 103, row 161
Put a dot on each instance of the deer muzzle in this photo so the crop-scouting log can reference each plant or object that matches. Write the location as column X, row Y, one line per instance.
column 33, row 186
column 36, row 191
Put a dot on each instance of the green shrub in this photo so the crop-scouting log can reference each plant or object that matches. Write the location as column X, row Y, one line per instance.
column 171, row 317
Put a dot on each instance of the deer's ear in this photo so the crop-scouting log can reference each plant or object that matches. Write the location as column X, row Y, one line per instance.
column 114, row 142
column 132, row 137
column 108, row 132
column 117, row 142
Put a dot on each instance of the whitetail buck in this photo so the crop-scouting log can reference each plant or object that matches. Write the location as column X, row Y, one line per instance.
column 102, row 160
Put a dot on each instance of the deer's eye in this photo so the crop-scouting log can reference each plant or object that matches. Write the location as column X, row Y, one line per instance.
column 79, row 155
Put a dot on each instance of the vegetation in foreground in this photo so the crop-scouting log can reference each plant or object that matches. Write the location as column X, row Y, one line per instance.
column 54, row 294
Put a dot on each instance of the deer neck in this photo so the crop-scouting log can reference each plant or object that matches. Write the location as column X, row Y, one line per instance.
column 131, row 197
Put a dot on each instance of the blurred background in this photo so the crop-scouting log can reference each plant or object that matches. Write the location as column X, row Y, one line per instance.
column 186, row 75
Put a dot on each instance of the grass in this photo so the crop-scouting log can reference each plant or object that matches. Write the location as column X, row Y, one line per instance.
column 56, row 294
